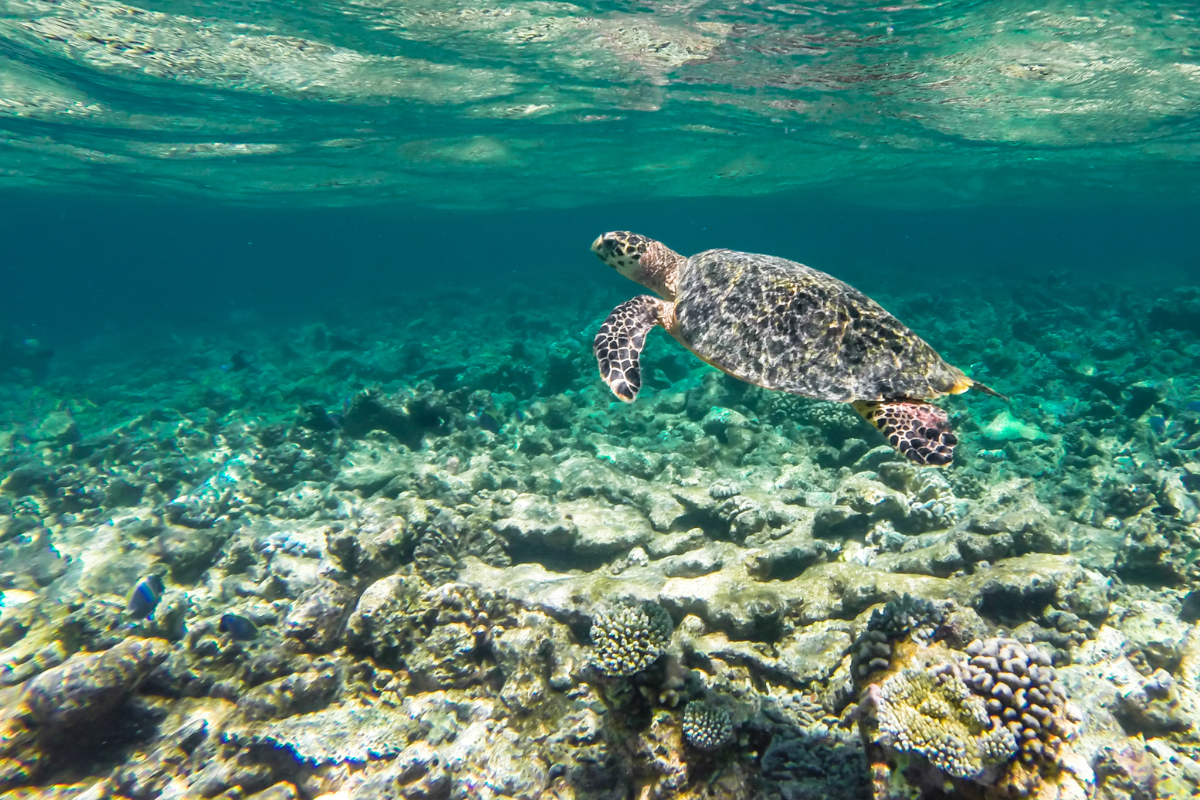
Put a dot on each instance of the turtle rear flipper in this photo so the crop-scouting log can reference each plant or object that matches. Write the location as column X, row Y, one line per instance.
column 920, row 431
column 619, row 343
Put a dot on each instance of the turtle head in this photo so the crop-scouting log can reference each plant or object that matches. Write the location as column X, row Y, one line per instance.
column 650, row 263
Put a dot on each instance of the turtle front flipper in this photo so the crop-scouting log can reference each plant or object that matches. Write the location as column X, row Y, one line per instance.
column 920, row 431
column 621, row 339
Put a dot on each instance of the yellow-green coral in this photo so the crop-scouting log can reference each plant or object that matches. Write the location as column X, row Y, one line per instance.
column 938, row 717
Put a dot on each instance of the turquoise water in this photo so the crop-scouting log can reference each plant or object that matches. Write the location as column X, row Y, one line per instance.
column 310, row 488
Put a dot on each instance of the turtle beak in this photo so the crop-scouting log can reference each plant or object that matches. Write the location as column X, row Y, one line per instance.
column 604, row 250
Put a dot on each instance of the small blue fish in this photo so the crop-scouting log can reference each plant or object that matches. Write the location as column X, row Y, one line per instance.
column 1193, row 406
column 1158, row 425
column 144, row 597
column 237, row 626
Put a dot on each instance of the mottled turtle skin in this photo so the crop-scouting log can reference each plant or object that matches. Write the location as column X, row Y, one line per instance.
column 784, row 326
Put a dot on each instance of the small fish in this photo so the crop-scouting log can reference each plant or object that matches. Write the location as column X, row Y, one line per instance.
column 239, row 361
column 1158, row 425
column 237, row 626
column 1193, row 406
column 318, row 419
column 487, row 422
column 144, row 597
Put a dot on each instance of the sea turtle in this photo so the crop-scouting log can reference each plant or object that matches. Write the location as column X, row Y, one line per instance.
column 780, row 325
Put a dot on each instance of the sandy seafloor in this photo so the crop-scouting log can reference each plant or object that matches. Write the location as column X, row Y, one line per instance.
column 443, row 529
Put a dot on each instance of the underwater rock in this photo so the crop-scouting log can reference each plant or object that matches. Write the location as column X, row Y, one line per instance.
column 486, row 754
column 416, row 773
column 318, row 616
column 783, row 557
column 370, row 466
column 383, row 622
column 320, row 737
column 88, row 686
column 298, row 693
column 280, row 791
column 1155, row 631
column 438, row 634
column 659, row 753
column 58, row 429
column 190, row 551
column 673, row 544
column 444, row 658
column 725, row 424
column 534, row 657
column 1127, row 772
column 837, row 522
column 61, row 701
column 1179, row 310
column 534, row 522
column 409, row 417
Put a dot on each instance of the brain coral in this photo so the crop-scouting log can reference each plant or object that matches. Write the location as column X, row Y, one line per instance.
column 934, row 714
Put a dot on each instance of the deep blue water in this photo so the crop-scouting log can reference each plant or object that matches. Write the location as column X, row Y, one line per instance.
column 72, row 268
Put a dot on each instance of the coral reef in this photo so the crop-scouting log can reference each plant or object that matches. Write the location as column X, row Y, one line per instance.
column 437, row 561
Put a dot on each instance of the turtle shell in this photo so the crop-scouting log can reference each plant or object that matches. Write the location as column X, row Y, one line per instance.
column 785, row 326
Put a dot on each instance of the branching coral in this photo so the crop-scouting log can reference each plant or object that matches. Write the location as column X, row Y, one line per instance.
column 706, row 726
column 630, row 637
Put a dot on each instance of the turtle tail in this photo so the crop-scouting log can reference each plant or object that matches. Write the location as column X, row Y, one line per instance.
column 983, row 387
column 964, row 383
